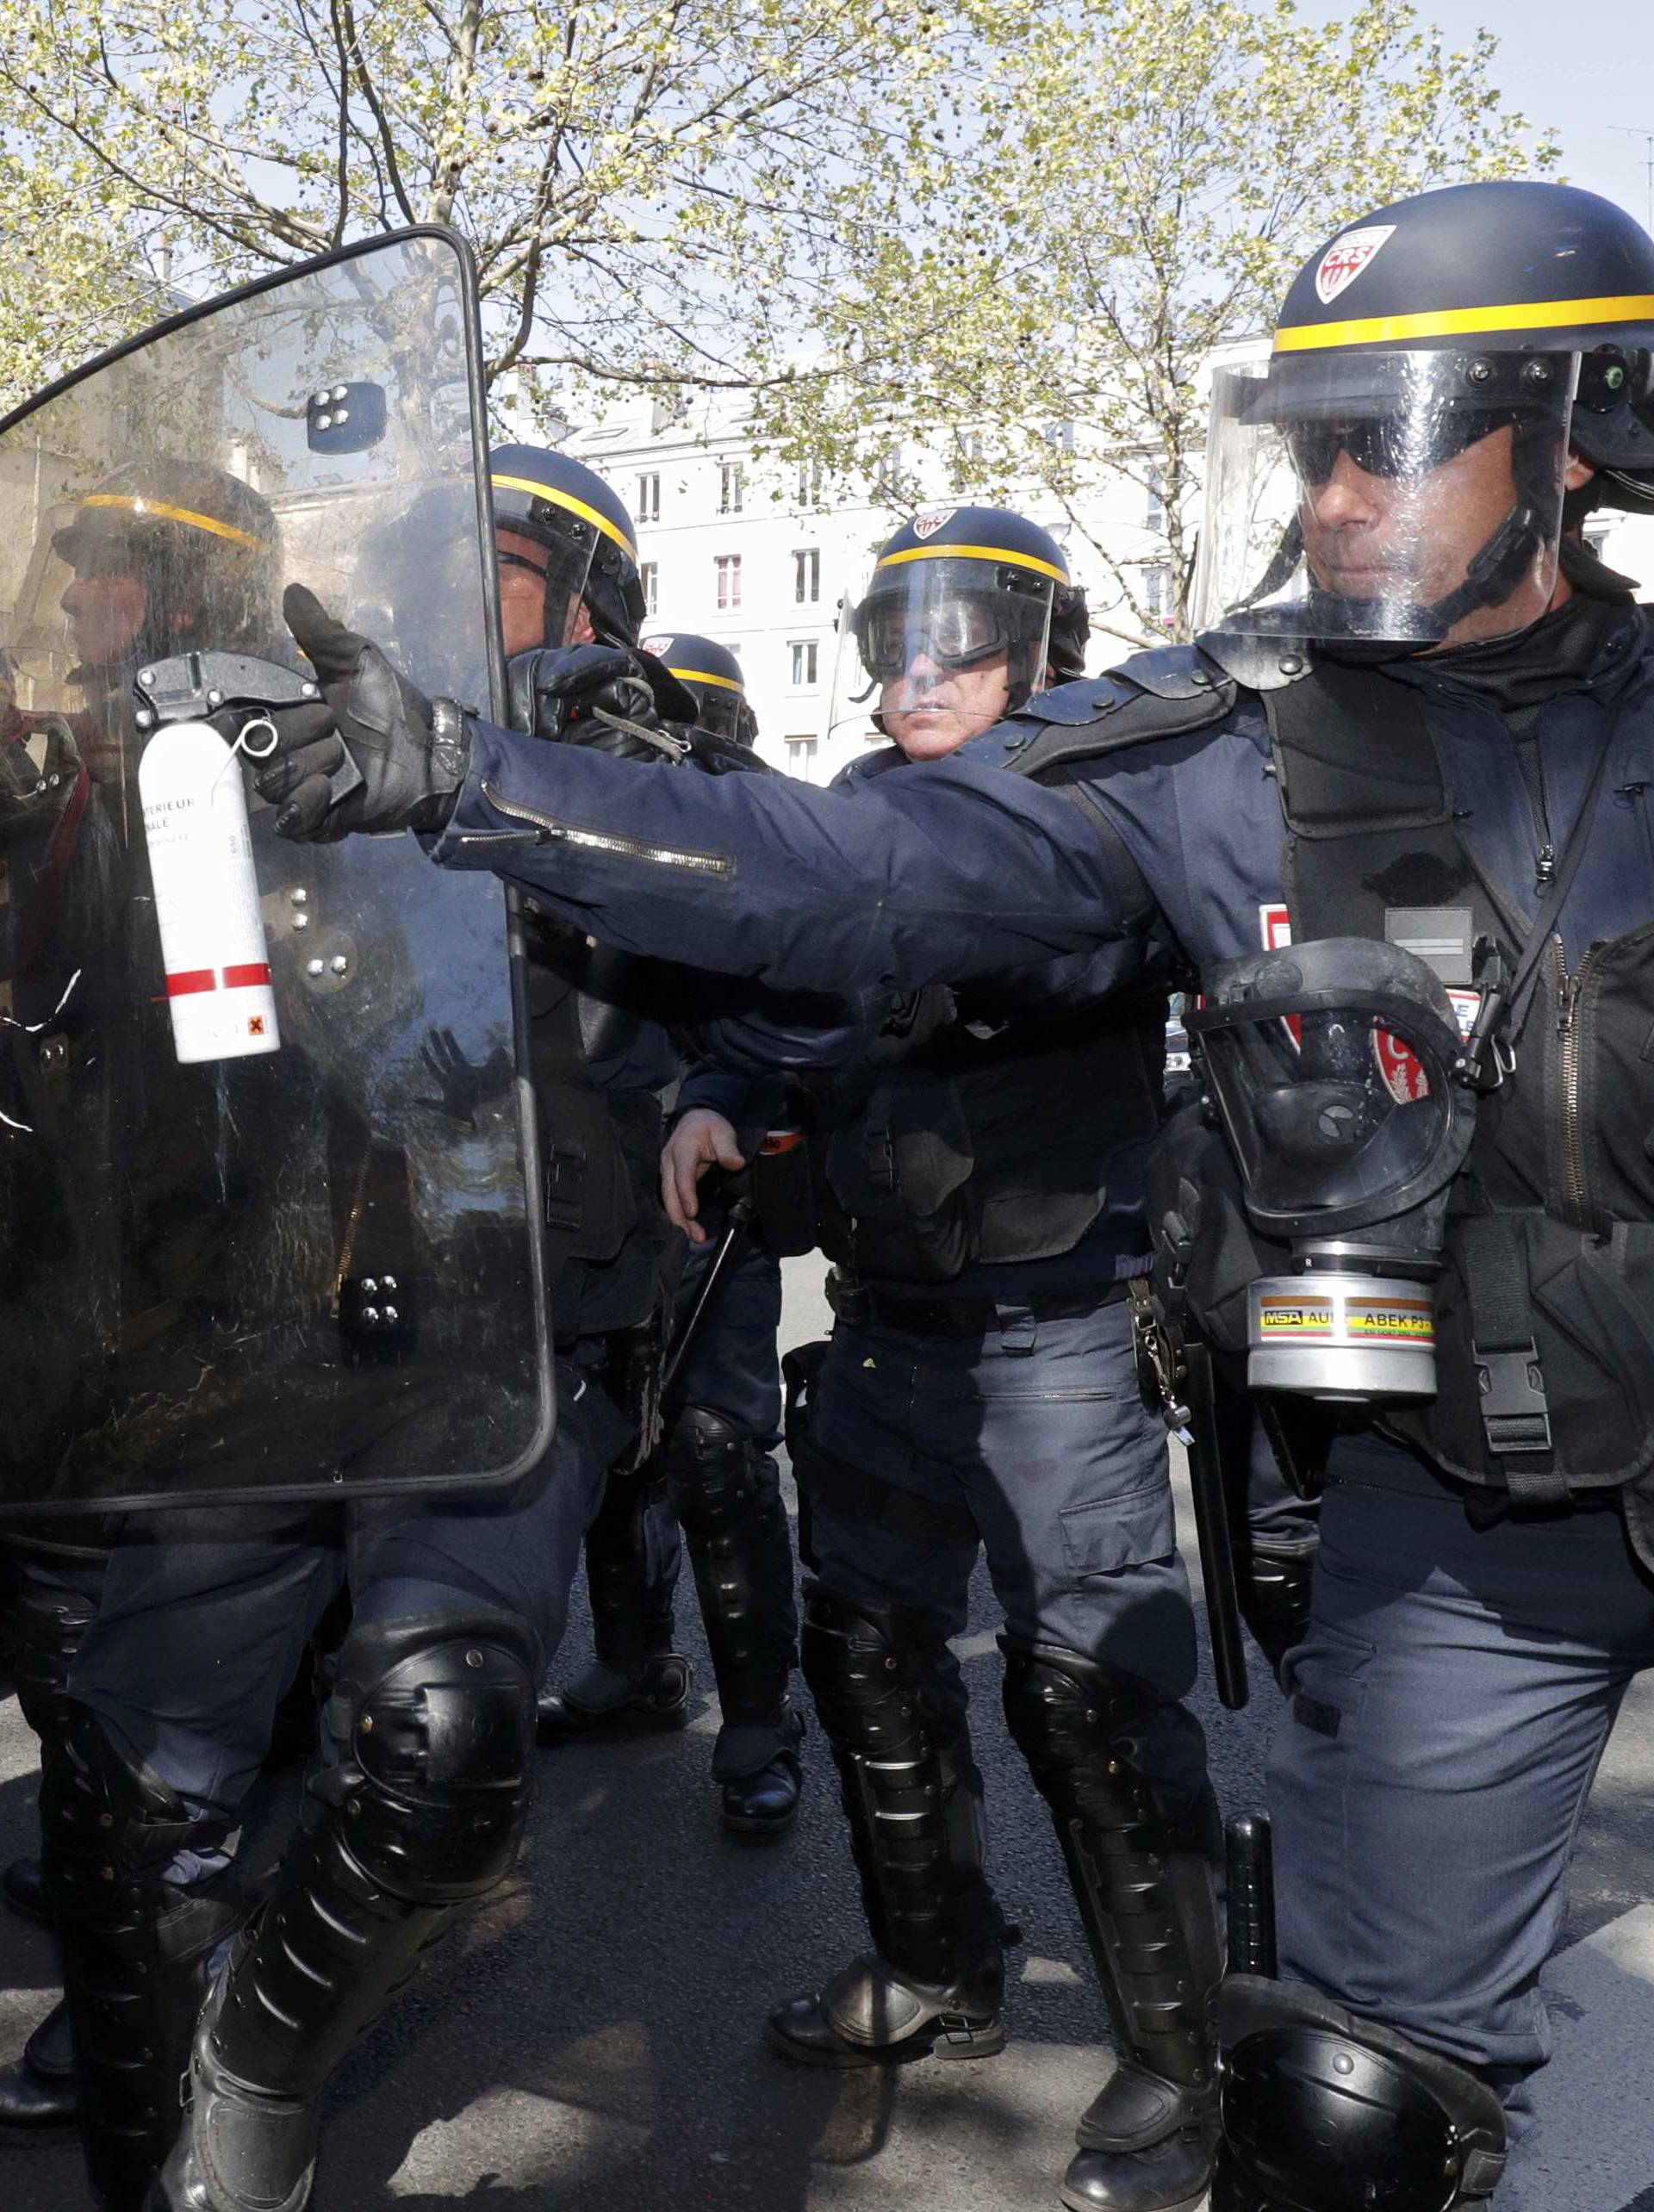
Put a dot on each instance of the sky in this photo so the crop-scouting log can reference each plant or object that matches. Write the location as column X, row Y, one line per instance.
column 1606, row 79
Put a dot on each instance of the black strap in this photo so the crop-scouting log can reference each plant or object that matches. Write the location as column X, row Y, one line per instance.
column 1525, row 981
column 1515, row 1414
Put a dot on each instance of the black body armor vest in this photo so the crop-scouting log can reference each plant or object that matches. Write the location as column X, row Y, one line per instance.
column 971, row 1138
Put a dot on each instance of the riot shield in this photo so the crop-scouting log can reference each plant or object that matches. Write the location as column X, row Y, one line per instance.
column 266, row 1206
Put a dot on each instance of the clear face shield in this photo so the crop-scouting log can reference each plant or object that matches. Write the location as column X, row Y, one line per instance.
column 1337, row 1070
column 938, row 649
column 1412, row 497
column 545, row 557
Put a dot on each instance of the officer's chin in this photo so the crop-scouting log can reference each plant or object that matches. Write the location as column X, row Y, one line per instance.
column 932, row 733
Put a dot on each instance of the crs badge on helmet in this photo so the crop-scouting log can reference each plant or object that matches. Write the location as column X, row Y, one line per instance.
column 283, row 1246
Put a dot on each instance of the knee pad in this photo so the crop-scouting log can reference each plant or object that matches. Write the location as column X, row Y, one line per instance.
column 1324, row 2111
column 714, row 1472
column 434, row 1717
column 1062, row 1708
column 866, row 1667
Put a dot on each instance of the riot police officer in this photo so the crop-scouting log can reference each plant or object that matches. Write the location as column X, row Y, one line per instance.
column 977, row 1392
column 157, row 552
column 424, row 1786
column 714, row 1479
column 1419, row 733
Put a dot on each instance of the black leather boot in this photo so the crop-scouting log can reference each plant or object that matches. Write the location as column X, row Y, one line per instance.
column 1143, row 1879
column 636, row 1681
column 420, row 1816
column 42, row 2089
column 725, row 1491
column 766, row 1803
column 136, row 1947
column 912, row 1795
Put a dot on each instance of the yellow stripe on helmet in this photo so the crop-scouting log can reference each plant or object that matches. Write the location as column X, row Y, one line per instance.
column 570, row 504
column 972, row 553
column 705, row 677
column 185, row 515
column 1466, row 322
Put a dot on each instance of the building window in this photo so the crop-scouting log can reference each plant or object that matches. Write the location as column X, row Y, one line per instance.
column 1060, row 437
column 801, row 758
column 649, row 498
column 729, row 581
column 886, row 474
column 809, row 483
column 731, row 485
column 649, row 575
column 804, row 663
column 1155, row 513
column 807, row 576
column 1155, row 591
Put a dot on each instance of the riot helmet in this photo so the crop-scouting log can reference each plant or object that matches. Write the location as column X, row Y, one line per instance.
column 167, row 556
column 564, row 540
column 1395, row 472
column 966, row 612
column 713, row 674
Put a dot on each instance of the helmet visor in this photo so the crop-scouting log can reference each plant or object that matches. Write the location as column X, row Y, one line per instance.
column 721, row 709
column 545, row 555
column 1410, row 497
column 940, row 646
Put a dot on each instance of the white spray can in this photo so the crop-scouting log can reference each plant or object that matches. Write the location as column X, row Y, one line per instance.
column 212, row 945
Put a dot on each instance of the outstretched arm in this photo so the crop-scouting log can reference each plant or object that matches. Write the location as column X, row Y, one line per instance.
column 935, row 873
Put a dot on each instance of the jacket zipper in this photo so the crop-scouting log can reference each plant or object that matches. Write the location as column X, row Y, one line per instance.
column 1570, row 993
column 603, row 840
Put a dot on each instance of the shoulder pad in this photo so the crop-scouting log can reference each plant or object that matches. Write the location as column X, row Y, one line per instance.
column 1169, row 672
column 1103, row 714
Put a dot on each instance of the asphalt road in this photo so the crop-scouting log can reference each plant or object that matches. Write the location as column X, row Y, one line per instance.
column 591, row 2043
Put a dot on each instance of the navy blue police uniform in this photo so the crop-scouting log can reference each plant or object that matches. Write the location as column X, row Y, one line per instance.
column 978, row 1394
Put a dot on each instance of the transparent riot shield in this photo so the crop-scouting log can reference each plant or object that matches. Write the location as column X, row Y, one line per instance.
column 266, row 1210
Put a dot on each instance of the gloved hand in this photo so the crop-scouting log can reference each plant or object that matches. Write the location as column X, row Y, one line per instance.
column 412, row 752
column 598, row 696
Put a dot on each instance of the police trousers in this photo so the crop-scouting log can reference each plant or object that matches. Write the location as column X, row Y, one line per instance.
column 1445, row 1720
column 1029, row 1442
column 206, row 1613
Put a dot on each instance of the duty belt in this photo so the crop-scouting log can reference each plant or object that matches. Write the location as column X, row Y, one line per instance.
column 963, row 1317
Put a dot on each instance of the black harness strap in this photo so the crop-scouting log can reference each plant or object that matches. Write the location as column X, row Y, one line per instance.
column 1515, row 1415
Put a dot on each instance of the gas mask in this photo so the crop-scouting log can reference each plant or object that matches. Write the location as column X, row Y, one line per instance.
column 1338, row 1071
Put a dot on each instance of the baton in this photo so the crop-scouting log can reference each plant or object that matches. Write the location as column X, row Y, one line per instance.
column 732, row 1250
column 1250, row 1853
column 1199, row 1436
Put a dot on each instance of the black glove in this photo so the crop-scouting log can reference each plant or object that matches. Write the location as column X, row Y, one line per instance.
column 412, row 752
column 599, row 696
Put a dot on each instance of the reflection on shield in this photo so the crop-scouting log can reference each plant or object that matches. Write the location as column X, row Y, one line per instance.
column 314, row 1270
